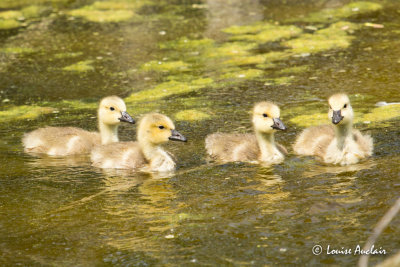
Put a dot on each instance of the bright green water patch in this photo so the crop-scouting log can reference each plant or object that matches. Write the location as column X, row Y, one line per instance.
column 107, row 11
column 334, row 14
column 246, row 60
column 81, row 66
column 247, row 29
column 68, row 55
column 280, row 80
column 12, row 14
column 191, row 115
column 33, row 11
column 232, row 49
column 308, row 120
column 23, row 112
column 78, row 104
column 270, row 33
column 167, row 89
column 277, row 56
column 17, row 50
column 19, row 3
column 165, row 66
column 8, row 24
column 383, row 113
column 185, row 43
column 102, row 15
column 333, row 37
column 245, row 74
column 115, row 5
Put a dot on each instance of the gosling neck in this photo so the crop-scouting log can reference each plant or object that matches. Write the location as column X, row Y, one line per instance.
column 108, row 133
column 149, row 149
column 266, row 142
column 343, row 131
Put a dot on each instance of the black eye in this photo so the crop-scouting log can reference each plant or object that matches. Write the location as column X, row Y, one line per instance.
column 265, row 115
column 345, row 106
column 161, row 127
column 112, row 108
column 330, row 107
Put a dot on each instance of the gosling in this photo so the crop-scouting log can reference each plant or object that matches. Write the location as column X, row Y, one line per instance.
column 258, row 147
column 338, row 143
column 144, row 155
column 64, row 141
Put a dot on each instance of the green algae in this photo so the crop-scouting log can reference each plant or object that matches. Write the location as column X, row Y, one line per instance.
column 246, row 29
column 185, row 43
column 68, row 55
column 334, row 37
column 232, row 49
column 165, row 66
column 11, row 14
column 81, row 66
column 243, row 74
column 23, row 112
column 191, row 115
column 114, row 5
column 33, row 11
column 280, row 81
column 271, row 33
column 102, row 16
column 167, row 89
column 278, row 55
column 78, row 104
column 7, row 4
column 9, row 24
column 382, row 113
column 334, row 14
column 246, row 60
column 17, row 50
column 308, row 120
column 107, row 11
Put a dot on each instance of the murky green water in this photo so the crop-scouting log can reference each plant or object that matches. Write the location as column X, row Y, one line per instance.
column 185, row 58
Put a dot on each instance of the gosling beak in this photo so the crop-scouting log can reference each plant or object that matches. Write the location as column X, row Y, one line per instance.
column 278, row 124
column 125, row 117
column 177, row 136
column 337, row 117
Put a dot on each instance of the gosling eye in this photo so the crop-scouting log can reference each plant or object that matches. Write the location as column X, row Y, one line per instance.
column 112, row 108
column 265, row 115
column 345, row 106
column 161, row 127
column 330, row 107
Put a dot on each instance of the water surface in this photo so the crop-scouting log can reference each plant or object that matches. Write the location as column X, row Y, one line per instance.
column 184, row 58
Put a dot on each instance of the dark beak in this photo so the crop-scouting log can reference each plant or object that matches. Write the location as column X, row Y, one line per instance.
column 278, row 124
column 337, row 117
column 177, row 136
column 125, row 117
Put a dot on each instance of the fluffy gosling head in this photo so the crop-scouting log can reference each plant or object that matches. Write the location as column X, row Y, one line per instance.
column 266, row 118
column 112, row 110
column 155, row 128
column 340, row 110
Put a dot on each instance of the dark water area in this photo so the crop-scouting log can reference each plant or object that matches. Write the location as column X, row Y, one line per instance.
column 204, row 64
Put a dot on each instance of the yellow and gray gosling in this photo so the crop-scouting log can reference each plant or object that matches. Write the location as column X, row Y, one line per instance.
column 63, row 141
column 337, row 143
column 144, row 155
column 258, row 147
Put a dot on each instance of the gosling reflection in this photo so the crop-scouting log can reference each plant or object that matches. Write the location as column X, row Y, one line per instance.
column 316, row 170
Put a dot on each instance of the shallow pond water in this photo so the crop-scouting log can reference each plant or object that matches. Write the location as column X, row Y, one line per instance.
column 203, row 63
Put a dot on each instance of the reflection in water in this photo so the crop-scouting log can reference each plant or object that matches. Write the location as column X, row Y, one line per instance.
column 335, row 169
column 222, row 14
